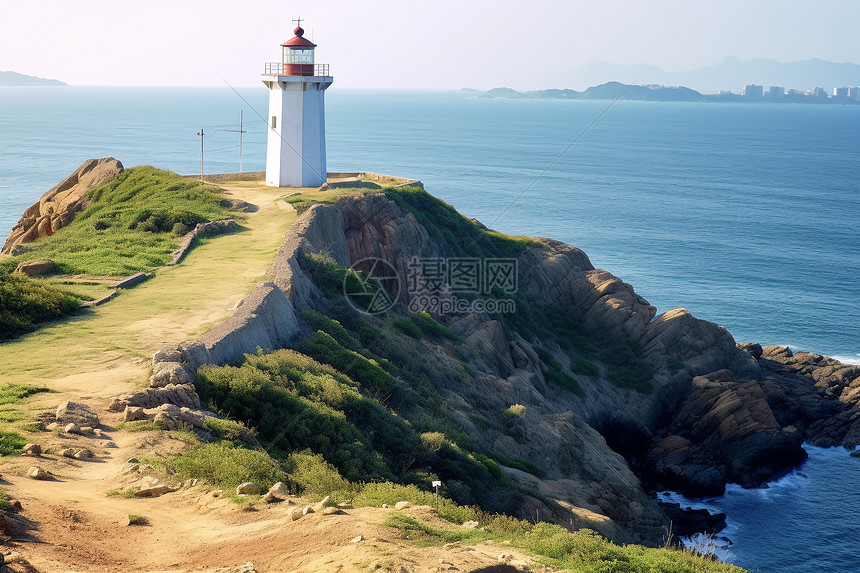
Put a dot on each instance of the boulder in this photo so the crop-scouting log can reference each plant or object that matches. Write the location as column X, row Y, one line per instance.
column 164, row 373
column 402, row 505
column 182, row 395
column 59, row 206
column 175, row 417
column 67, row 453
column 280, row 489
column 248, row 488
column 34, row 450
column 133, row 413
column 83, row 454
column 36, row 267
column 154, row 491
column 74, row 413
column 35, row 472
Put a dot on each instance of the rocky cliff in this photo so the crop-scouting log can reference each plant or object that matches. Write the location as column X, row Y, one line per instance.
column 706, row 414
column 58, row 207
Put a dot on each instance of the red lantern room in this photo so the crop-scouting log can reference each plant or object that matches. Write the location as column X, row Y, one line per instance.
column 298, row 59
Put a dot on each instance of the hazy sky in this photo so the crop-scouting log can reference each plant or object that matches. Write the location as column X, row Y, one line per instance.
column 410, row 43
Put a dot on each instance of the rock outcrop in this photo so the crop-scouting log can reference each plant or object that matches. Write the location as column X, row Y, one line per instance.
column 59, row 206
column 79, row 414
column 818, row 395
column 724, row 432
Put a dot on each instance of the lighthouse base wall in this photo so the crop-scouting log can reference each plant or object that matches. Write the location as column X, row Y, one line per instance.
column 296, row 153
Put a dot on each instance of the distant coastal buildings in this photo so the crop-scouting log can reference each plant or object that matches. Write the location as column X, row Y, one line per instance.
column 656, row 92
column 841, row 94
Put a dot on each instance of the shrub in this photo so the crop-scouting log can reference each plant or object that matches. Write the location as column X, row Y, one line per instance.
column 316, row 478
column 585, row 367
column 431, row 327
column 323, row 348
column 11, row 443
column 407, row 327
column 226, row 466
column 28, row 302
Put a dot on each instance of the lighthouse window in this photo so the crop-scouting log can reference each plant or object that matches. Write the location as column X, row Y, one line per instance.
column 274, row 122
column 300, row 57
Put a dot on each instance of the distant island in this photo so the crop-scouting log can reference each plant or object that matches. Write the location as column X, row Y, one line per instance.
column 15, row 79
column 618, row 90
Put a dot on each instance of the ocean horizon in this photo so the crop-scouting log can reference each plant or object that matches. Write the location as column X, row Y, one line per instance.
column 745, row 214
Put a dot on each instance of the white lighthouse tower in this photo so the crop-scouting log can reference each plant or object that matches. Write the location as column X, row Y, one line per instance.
column 295, row 156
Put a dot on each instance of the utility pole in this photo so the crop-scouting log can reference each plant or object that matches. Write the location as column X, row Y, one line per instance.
column 240, row 131
column 200, row 133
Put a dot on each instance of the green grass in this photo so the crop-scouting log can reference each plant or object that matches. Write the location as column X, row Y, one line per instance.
column 16, row 393
column 132, row 224
column 118, row 492
column 134, row 519
column 582, row 551
column 141, row 426
column 11, row 416
column 11, row 443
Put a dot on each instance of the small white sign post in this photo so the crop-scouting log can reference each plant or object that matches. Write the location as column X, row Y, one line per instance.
column 436, row 484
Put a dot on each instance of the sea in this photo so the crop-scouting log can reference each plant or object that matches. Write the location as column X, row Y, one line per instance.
column 746, row 214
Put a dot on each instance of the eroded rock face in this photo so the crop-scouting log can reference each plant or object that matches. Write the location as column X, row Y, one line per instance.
column 59, row 206
column 724, row 432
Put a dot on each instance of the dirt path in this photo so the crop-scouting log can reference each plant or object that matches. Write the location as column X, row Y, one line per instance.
column 69, row 524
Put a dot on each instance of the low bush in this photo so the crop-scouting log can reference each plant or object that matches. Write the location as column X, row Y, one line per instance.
column 407, row 327
column 433, row 328
column 226, row 466
column 11, row 443
column 27, row 302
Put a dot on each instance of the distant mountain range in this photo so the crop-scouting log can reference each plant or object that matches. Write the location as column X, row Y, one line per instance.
column 617, row 90
column 16, row 79
column 730, row 74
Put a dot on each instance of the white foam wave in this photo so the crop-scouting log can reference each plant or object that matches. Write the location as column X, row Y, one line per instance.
column 848, row 359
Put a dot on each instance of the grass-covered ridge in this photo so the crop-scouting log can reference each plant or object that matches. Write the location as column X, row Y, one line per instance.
column 132, row 224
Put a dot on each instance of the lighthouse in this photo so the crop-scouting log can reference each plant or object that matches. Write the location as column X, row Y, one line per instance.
column 295, row 154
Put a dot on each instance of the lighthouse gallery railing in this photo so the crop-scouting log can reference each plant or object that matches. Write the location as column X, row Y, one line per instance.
column 277, row 69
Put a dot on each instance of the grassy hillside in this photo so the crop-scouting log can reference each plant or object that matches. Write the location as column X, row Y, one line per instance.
column 132, row 224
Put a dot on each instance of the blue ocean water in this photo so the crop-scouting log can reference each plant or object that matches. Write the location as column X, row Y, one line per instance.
column 791, row 526
column 745, row 214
